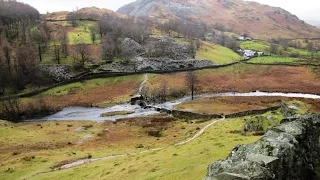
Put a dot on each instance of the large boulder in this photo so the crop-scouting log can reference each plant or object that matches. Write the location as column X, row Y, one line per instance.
column 289, row 151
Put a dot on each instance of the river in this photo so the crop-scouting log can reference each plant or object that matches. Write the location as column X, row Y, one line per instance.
column 94, row 114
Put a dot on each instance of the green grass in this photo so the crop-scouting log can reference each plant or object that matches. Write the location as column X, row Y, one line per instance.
column 217, row 54
column 81, row 34
column 255, row 45
column 188, row 161
column 78, row 86
column 264, row 46
column 273, row 59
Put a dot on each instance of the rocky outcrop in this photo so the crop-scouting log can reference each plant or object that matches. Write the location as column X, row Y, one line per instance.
column 289, row 151
column 145, row 7
column 165, row 46
column 57, row 72
column 131, row 45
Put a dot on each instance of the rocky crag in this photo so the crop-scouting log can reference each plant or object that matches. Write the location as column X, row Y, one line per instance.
column 157, row 54
column 289, row 151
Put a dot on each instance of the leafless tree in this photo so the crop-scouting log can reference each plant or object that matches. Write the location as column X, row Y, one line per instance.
column 108, row 48
column 40, row 38
column 273, row 48
column 81, row 53
column 73, row 17
column 163, row 91
column 57, row 51
column 310, row 46
column 190, row 81
column 64, row 41
column 193, row 48
column 93, row 32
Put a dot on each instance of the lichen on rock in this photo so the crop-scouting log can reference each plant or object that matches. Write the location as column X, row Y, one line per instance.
column 288, row 151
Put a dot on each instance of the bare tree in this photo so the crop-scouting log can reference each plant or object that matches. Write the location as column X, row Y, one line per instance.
column 73, row 17
column 64, row 41
column 40, row 38
column 193, row 48
column 273, row 48
column 81, row 53
column 310, row 46
column 108, row 48
column 93, row 32
column 11, row 109
column 57, row 51
column 163, row 91
column 190, row 81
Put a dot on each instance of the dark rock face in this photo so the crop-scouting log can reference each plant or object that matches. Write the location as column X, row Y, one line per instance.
column 145, row 7
column 287, row 152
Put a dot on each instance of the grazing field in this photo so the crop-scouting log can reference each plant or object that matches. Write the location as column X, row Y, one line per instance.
column 217, row 54
column 81, row 34
column 229, row 105
column 97, row 92
column 264, row 46
column 274, row 59
column 187, row 161
column 28, row 148
column 256, row 45
column 246, row 78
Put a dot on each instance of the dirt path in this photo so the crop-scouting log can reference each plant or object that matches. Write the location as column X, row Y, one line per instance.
column 143, row 84
column 86, row 161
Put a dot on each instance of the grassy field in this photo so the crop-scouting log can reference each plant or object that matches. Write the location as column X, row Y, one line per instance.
column 217, row 54
column 273, row 59
column 229, row 105
column 255, row 45
column 99, row 92
column 209, row 51
column 178, row 162
column 28, row 148
column 245, row 78
column 81, row 34
column 264, row 46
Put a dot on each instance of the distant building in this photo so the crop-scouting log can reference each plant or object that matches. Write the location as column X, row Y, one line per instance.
column 243, row 38
column 249, row 53
column 260, row 54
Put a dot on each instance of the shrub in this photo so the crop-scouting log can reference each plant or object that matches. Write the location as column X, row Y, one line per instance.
column 138, row 146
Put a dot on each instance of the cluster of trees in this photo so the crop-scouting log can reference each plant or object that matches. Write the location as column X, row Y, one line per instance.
column 14, row 110
column 17, row 65
column 188, row 30
column 113, row 30
column 22, row 39
column 281, row 46
column 225, row 40
column 192, row 31
column 16, row 18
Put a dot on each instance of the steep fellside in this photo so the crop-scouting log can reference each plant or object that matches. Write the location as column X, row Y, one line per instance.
column 260, row 21
column 89, row 13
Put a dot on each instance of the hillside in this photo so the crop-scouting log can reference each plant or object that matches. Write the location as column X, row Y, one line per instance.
column 260, row 21
column 92, row 13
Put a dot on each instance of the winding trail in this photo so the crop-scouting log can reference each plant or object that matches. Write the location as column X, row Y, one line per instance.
column 86, row 161
column 143, row 84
